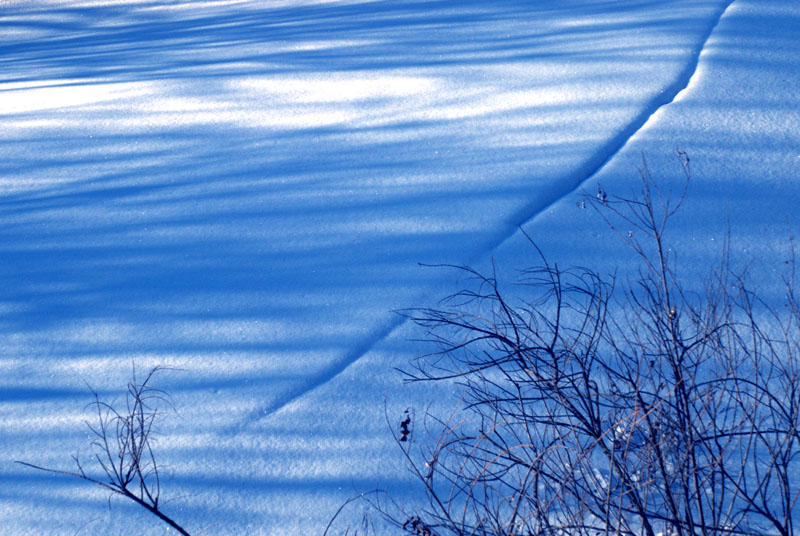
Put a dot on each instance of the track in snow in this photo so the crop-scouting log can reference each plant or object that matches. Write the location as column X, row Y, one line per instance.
column 591, row 167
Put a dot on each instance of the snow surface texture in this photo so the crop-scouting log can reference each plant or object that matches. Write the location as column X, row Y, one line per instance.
column 243, row 190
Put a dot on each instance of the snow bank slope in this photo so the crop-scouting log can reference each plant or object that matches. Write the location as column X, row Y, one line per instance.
column 738, row 121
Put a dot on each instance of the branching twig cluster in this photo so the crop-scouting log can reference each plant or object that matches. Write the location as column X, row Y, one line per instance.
column 596, row 406
column 123, row 449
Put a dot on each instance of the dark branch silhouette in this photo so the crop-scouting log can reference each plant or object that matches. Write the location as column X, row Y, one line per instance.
column 122, row 447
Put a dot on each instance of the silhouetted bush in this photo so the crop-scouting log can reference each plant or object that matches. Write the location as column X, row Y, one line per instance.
column 600, row 406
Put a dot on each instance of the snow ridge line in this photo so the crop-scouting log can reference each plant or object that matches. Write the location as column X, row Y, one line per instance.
column 325, row 375
column 612, row 148
column 593, row 165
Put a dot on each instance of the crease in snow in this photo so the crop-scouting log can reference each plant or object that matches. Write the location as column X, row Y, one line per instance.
column 590, row 168
column 332, row 370
column 607, row 152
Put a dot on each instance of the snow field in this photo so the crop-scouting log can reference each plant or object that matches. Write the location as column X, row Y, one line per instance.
column 244, row 191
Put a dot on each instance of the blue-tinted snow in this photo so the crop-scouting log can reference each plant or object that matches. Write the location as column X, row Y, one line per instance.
column 244, row 190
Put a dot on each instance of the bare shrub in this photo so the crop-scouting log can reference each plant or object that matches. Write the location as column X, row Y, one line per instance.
column 123, row 449
column 597, row 406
